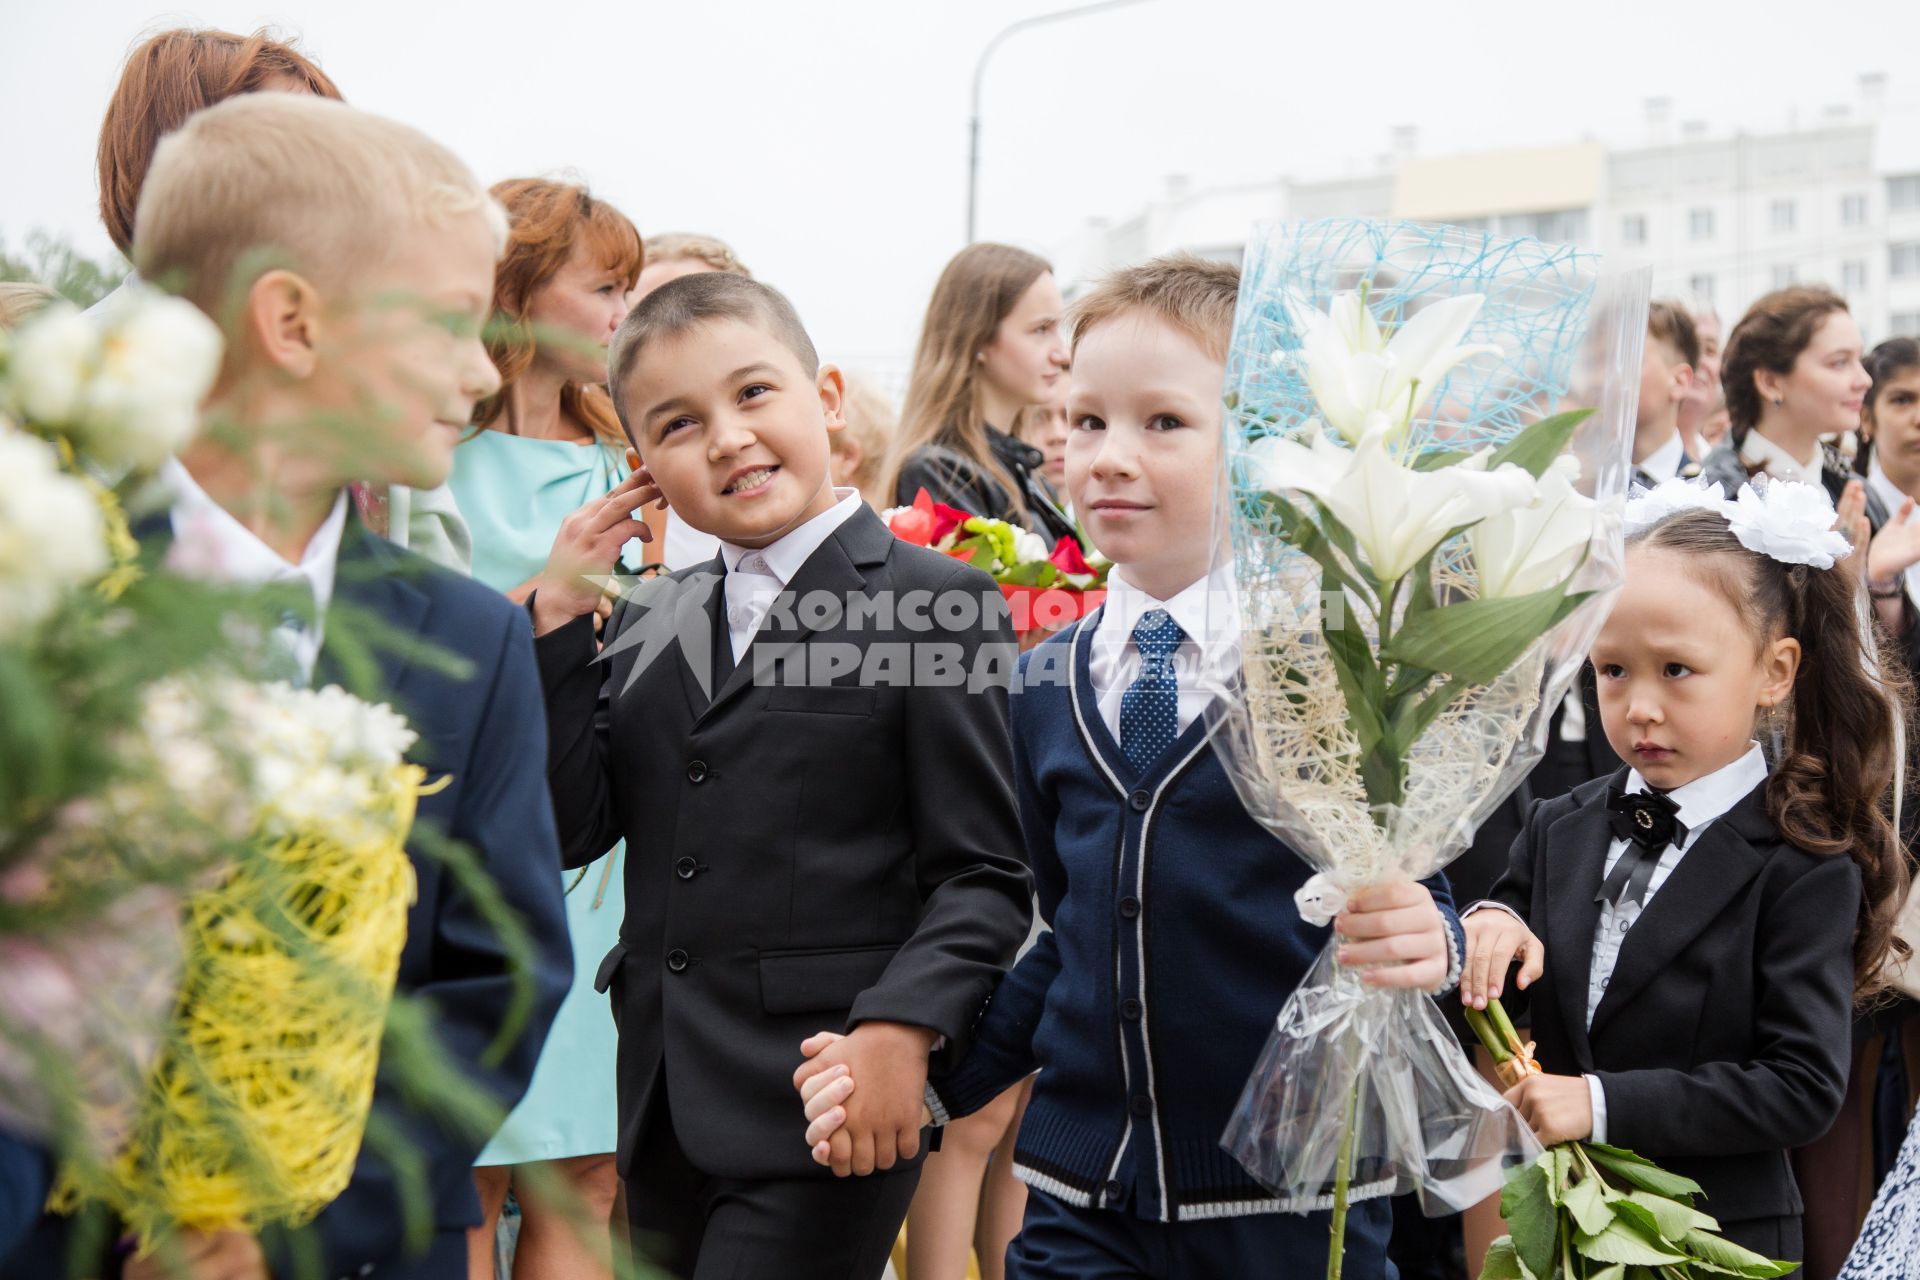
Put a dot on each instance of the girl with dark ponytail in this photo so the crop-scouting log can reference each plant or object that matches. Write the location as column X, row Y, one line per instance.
column 1708, row 920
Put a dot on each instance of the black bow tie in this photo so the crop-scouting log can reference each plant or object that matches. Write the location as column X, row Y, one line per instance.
column 1648, row 821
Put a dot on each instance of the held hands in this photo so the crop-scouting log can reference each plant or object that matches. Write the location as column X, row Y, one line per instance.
column 859, row 1136
column 202, row 1255
column 588, row 545
column 1396, row 928
column 1494, row 938
column 1560, row 1108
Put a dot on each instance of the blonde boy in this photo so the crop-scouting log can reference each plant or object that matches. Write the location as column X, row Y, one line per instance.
column 1175, row 939
column 1666, row 379
column 349, row 261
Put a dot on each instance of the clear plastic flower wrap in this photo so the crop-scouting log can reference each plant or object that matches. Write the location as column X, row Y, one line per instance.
column 1427, row 443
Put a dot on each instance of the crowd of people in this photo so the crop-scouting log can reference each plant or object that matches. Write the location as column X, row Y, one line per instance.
column 828, row 916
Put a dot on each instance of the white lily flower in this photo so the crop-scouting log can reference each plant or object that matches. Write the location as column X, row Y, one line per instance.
column 1355, row 372
column 1532, row 548
column 1396, row 515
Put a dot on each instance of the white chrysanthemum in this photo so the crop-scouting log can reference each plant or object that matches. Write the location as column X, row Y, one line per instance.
column 158, row 358
column 52, row 533
column 1029, row 546
column 53, row 356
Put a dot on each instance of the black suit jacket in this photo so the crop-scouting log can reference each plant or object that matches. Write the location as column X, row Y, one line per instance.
column 799, row 855
column 484, row 730
column 1723, row 1037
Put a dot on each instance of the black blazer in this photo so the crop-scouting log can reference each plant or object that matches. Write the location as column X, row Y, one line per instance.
column 954, row 479
column 1723, row 1037
column 799, row 855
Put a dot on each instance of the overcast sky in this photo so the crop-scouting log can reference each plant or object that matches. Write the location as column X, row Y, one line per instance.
column 826, row 139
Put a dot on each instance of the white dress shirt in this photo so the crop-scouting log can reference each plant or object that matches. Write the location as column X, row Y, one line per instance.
column 1701, row 802
column 757, row 575
column 209, row 543
column 1758, row 451
column 1664, row 463
column 1204, row 663
column 1877, row 482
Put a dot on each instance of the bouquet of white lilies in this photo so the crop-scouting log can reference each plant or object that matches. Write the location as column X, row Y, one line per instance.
column 1427, row 446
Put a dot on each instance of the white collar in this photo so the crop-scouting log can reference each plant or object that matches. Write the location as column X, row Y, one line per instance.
column 209, row 543
column 1759, row 451
column 1709, row 797
column 1664, row 463
column 1206, row 610
column 785, row 554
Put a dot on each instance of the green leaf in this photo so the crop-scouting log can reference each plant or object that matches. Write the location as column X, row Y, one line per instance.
column 1353, row 665
column 1531, row 1219
column 1675, row 1218
column 1588, row 1207
column 1620, row 1242
column 1725, row 1255
column 1342, row 539
column 1615, row 1272
column 1477, row 640
column 1414, row 718
column 1434, row 459
column 1502, row 1263
column 1308, row 537
column 1641, row 1172
column 1537, row 446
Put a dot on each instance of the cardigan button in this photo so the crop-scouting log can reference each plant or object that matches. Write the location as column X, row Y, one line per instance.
column 1130, row 1009
column 1130, row 907
column 1115, row 1192
column 677, row 960
column 1140, row 800
column 1141, row 1105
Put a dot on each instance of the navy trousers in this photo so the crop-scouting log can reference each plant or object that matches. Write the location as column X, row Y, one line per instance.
column 1060, row 1242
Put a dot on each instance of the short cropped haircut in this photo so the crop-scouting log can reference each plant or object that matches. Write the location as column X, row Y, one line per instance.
column 168, row 78
column 688, row 246
column 1670, row 322
column 691, row 301
column 279, row 180
column 1189, row 292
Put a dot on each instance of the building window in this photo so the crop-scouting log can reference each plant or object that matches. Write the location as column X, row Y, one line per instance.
column 1904, row 192
column 1782, row 215
column 1903, row 260
column 1633, row 229
column 1853, row 210
column 1701, row 287
column 1784, row 275
column 1853, row 276
column 1905, row 324
column 1700, row 224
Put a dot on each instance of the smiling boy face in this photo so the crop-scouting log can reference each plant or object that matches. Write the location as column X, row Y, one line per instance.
column 734, row 429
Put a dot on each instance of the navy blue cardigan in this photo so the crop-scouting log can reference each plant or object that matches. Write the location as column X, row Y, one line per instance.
column 1174, row 942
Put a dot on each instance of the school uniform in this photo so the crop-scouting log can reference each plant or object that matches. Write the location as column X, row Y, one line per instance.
column 1174, row 943
column 484, row 733
column 821, row 831
column 1703, row 986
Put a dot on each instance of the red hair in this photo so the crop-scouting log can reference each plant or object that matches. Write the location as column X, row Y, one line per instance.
column 168, row 78
column 547, row 219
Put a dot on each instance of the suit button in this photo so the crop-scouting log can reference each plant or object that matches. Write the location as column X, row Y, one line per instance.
column 1141, row 1105
column 1115, row 1192
column 1140, row 800
column 677, row 960
column 1129, row 907
column 1130, row 1009
column 697, row 771
column 686, row 868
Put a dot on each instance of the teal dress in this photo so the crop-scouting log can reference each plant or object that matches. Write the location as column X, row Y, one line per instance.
column 514, row 491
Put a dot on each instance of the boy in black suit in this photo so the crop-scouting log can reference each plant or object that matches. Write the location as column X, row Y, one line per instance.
column 805, row 744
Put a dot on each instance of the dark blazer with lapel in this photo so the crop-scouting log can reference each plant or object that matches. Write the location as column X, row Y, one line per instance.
column 484, row 731
column 1722, row 1039
column 799, row 856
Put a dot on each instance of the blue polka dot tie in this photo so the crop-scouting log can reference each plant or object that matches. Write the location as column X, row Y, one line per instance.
column 1150, row 708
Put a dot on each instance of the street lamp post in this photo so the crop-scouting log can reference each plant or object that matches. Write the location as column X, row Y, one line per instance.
column 979, row 75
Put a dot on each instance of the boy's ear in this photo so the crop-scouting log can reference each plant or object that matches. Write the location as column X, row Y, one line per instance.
column 833, row 396
column 282, row 318
column 1682, row 375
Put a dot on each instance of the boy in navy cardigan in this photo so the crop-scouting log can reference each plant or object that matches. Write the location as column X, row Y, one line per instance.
column 1174, row 937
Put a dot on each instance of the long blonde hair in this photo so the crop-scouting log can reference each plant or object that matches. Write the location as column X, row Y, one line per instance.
column 980, row 286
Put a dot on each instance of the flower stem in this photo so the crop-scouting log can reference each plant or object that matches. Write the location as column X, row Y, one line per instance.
column 1343, row 1184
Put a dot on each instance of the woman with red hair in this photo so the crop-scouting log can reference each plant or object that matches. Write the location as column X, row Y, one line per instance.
column 547, row 444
